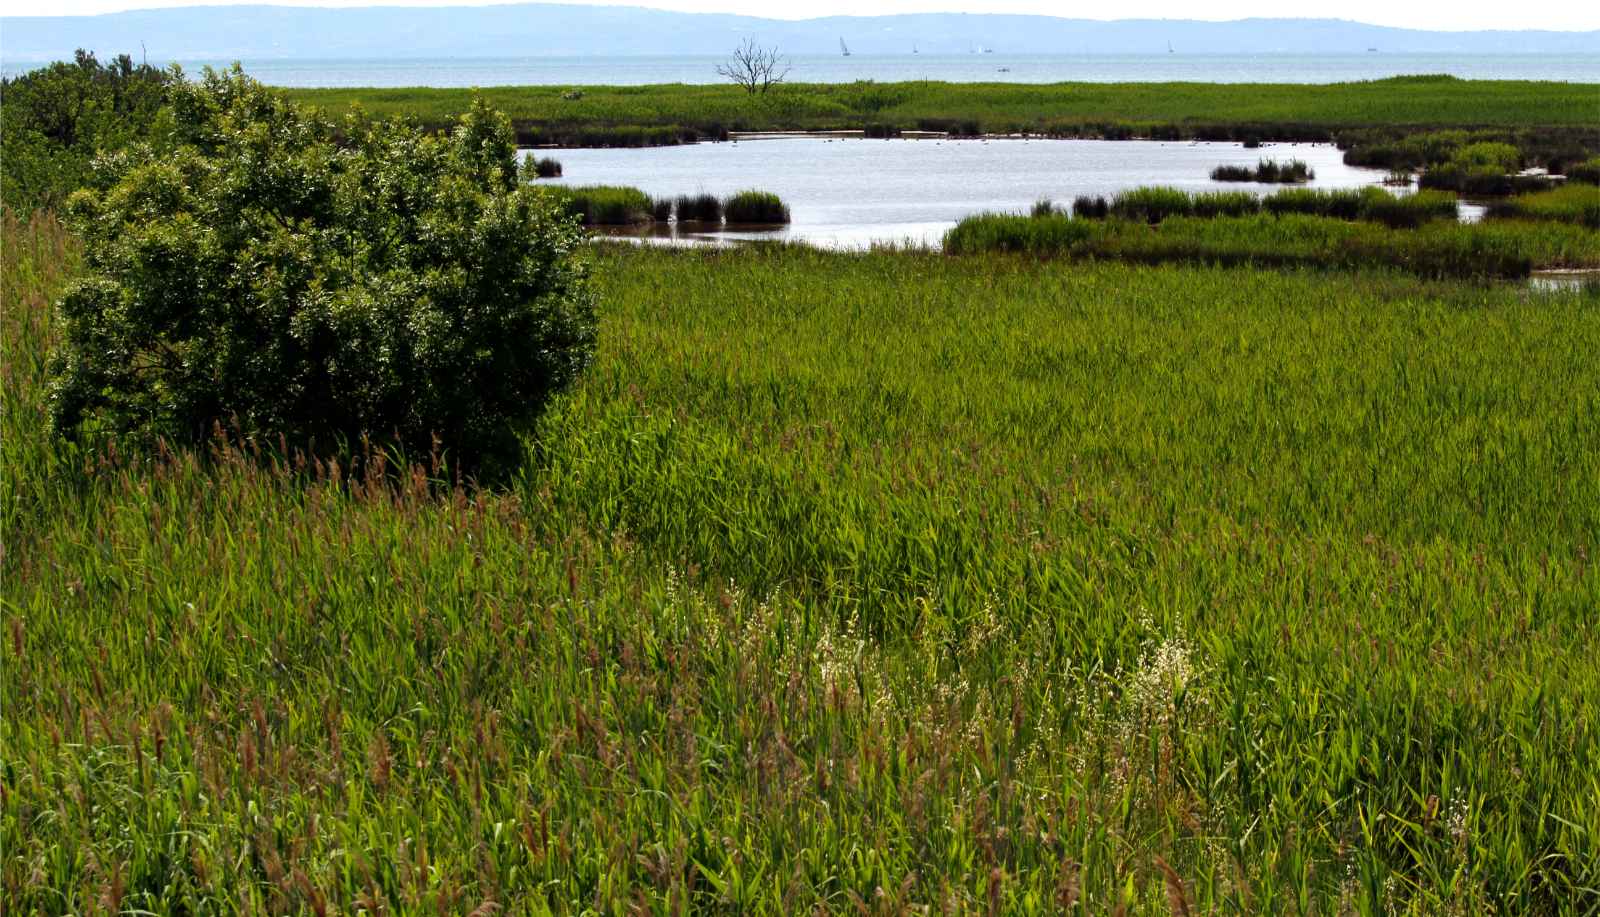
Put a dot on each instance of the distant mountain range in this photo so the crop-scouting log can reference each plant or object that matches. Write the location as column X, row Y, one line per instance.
column 538, row 29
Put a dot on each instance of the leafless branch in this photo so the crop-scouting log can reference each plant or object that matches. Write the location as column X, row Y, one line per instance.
column 755, row 68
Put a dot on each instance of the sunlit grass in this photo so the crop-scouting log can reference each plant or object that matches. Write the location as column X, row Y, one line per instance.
column 989, row 583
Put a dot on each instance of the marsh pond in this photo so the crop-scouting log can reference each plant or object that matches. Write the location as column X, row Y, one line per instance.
column 853, row 192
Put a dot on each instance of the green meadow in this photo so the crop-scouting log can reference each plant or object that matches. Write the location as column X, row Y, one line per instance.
column 637, row 115
column 870, row 582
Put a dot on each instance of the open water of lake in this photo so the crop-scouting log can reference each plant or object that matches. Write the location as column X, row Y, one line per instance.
column 850, row 193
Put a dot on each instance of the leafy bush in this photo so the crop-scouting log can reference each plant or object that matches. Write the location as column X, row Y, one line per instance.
column 280, row 276
column 755, row 207
column 56, row 118
column 546, row 167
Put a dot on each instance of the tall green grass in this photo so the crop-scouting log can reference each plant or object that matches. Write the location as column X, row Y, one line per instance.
column 1267, row 170
column 699, row 208
column 871, row 581
column 1438, row 249
column 755, row 207
column 1574, row 203
column 606, row 205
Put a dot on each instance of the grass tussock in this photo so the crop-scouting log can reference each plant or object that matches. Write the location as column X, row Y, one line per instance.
column 1268, row 171
column 607, row 205
column 699, row 208
column 1574, row 203
column 975, row 584
column 546, row 167
column 755, row 207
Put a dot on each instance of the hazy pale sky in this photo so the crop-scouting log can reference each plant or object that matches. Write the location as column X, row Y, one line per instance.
column 1452, row 15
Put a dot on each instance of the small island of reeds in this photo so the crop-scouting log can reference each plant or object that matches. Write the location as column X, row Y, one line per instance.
column 1266, row 171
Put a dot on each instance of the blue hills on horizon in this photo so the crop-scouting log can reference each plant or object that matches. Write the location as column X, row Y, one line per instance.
column 543, row 29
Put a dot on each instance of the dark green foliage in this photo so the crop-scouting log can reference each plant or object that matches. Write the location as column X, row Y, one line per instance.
column 546, row 167
column 606, row 205
column 661, row 209
column 755, row 207
column 1484, row 168
column 294, row 280
column 1344, row 204
column 1043, row 207
column 1085, row 207
column 1575, row 203
column 1225, row 204
column 878, row 131
column 1586, row 172
column 1051, row 234
column 1268, row 171
column 699, row 208
column 55, row 119
column 1151, row 204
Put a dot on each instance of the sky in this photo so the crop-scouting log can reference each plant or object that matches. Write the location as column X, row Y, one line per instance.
column 1444, row 15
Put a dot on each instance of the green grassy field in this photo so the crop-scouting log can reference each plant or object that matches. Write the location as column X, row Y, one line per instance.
column 604, row 115
column 854, row 580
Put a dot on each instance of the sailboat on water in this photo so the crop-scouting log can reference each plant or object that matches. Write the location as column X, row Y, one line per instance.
column 843, row 48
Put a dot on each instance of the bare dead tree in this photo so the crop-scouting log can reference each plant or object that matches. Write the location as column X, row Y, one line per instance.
column 755, row 68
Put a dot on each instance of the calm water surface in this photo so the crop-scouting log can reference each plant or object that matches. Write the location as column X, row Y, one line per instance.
column 963, row 68
column 855, row 192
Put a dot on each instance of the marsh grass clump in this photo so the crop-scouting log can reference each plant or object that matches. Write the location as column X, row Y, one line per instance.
column 1578, row 204
column 1343, row 203
column 546, row 167
column 606, row 205
column 699, row 208
column 1043, row 207
column 661, row 209
column 1086, row 207
column 1225, row 204
column 1049, row 234
column 755, row 207
column 1268, row 171
column 1151, row 204
column 1586, row 172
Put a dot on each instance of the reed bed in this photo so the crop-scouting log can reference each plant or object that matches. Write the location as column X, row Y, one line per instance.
column 1575, row 203
column 755, row 207
column 874, row 580
column 1155, row 204
column 1268, row 171
column 1437, row 249
column 607, row 205
column 699, row 208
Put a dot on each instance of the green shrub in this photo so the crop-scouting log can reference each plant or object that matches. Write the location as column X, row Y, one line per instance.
column 755, row 207
column 699, row 208
column 546, row 167
column 280, row 276
column 55, row 119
